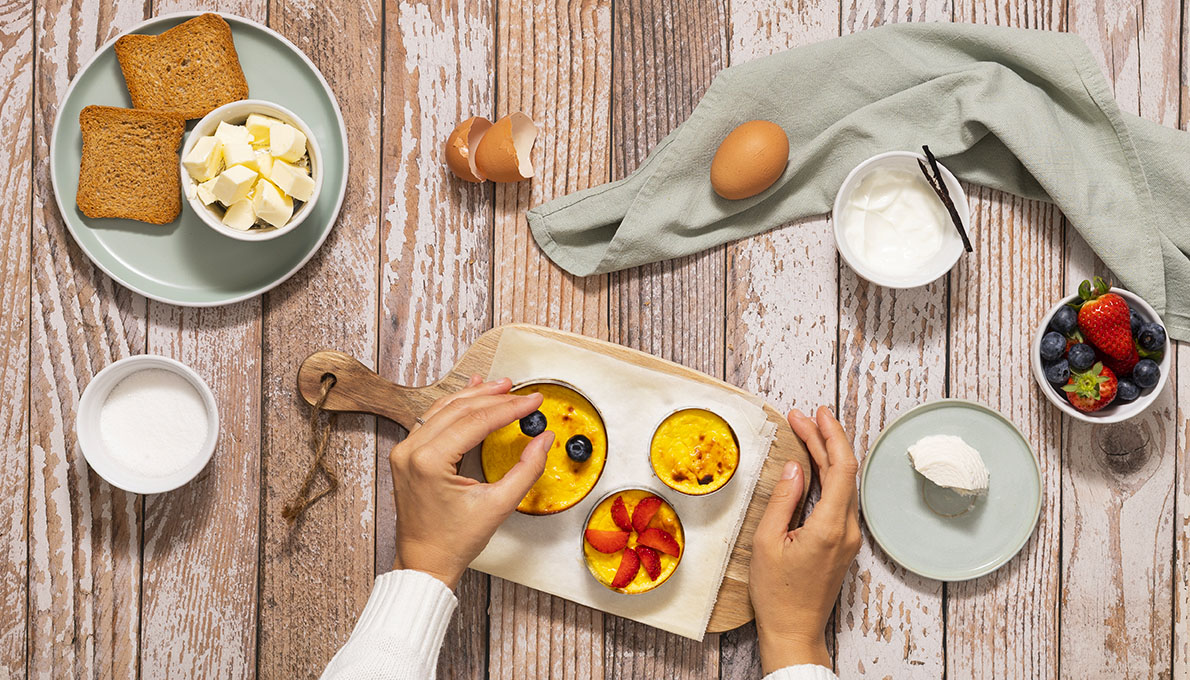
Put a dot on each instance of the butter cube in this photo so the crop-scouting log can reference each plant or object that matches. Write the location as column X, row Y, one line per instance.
column 205, row 158
column 205, row 191
column 264, row 162
column 240, row 215
column 259, row 125
column 286, row 142
column 239, row 153
column 271, row 205
column 292, row 180
column 232, row 133
column 233, row 184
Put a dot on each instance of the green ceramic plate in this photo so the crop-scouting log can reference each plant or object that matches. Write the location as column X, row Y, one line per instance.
column 932, row 531
column 187, row 262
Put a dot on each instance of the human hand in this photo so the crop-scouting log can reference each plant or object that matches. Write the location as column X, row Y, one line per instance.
column 796, row 575
column 444, row 520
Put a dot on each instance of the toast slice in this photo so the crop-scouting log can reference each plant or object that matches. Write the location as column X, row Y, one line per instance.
column 188, row 70
column 130, row 164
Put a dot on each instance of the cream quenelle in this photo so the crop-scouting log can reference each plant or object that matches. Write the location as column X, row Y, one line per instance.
column 894, row 222
column 950, row 462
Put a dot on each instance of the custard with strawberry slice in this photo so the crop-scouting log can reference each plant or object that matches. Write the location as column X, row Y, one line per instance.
column 575, row 460
column 633, row 541
column 694, row 452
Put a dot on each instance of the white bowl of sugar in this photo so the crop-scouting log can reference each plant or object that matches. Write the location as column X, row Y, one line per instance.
column 147, row 424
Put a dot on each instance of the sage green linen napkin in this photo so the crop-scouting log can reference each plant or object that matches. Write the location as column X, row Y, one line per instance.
column 1027, row 112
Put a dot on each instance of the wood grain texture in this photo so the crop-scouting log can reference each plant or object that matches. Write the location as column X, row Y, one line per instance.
column 84, row 535
column 1117, row 513
column 782, row 287
column 1181, row 576
column 198, row 599
column 1003, row 625
column 553, row 62
column 16, row 162
column 892, row 357
column 319, row 570
column 435, row 256
column 665, row 55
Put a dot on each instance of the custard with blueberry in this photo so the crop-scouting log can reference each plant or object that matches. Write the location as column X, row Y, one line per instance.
column 694, row 452
column 575, row 460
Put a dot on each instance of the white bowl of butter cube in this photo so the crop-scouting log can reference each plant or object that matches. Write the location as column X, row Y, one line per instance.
column 251, row 170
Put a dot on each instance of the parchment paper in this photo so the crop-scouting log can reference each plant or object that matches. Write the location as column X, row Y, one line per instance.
column 545, row 552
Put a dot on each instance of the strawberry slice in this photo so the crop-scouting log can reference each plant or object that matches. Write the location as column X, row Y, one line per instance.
column 607, row 541
column 659, row 540
column 644, row 511
column 650, row 560
column 629, row 565
column 620, row 514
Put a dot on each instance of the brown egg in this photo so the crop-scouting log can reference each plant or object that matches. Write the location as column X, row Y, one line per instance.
column 749, row 159
column 503, row 152
column 460, row 145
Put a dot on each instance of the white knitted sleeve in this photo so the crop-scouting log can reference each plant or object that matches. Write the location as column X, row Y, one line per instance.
column 806, row 671
column 400, row 631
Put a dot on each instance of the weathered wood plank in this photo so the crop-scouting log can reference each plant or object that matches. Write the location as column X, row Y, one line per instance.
column 16, row 160
column 892, row 357
column 665, row 57
column 319, row 571
column 553, row 62
column 435, row 247
column 1181, row 577
column 1117, row 513
column 198, row 598
column 1003, row 625
column 84, row 535
column 782, row 287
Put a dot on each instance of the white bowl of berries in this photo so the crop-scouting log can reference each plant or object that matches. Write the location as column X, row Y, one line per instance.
column 1101, row 356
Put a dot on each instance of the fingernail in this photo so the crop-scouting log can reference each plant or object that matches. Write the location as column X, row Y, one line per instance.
column 796, row 413
column 548, row 436
column 791, row 470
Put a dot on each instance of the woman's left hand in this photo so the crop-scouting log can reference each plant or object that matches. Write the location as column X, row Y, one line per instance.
column 444, row 520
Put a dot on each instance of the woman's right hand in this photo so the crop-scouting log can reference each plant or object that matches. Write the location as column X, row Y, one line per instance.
column 796, row 575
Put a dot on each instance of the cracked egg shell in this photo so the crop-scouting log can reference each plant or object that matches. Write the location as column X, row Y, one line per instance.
column 461, row 144
column 504, row 151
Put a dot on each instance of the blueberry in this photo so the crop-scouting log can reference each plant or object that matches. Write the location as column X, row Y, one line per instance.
column 1146, row 373
column 1136, row 321
column 578, row 448
column 1151, row 337
column 1058, row 373
column 1065, row 320
column 1052, row 346
column 533, row 424
column 1081, row 357
column 1126, row 391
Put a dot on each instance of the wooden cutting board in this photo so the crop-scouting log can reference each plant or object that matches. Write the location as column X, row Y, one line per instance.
column 358, row 389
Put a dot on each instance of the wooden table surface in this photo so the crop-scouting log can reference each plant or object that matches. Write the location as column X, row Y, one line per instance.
column 209, row 581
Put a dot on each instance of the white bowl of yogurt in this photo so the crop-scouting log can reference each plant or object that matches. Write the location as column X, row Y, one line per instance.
column 891, row 227
column 147, row 424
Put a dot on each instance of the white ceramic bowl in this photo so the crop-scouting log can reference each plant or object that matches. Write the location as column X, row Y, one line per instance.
column 1112, row 413
column 91, row 441
column 952, row 244
column 235, row 113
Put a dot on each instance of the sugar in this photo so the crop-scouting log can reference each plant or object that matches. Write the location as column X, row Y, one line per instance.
column 154, row 422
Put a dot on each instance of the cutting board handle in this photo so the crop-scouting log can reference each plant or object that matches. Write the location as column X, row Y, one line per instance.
column 359, row 389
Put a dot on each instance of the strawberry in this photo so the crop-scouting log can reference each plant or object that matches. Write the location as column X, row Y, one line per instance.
column 1104, row 319
column 650, row 560
column 643, row 512
column 1089, row 391
column 661, row 540
column 1121, row 367
column 629, row 565
column 620, row 514
column 607, row 541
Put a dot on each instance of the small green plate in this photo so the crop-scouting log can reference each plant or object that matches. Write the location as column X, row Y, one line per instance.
column 186, row 262
column 935, row 532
